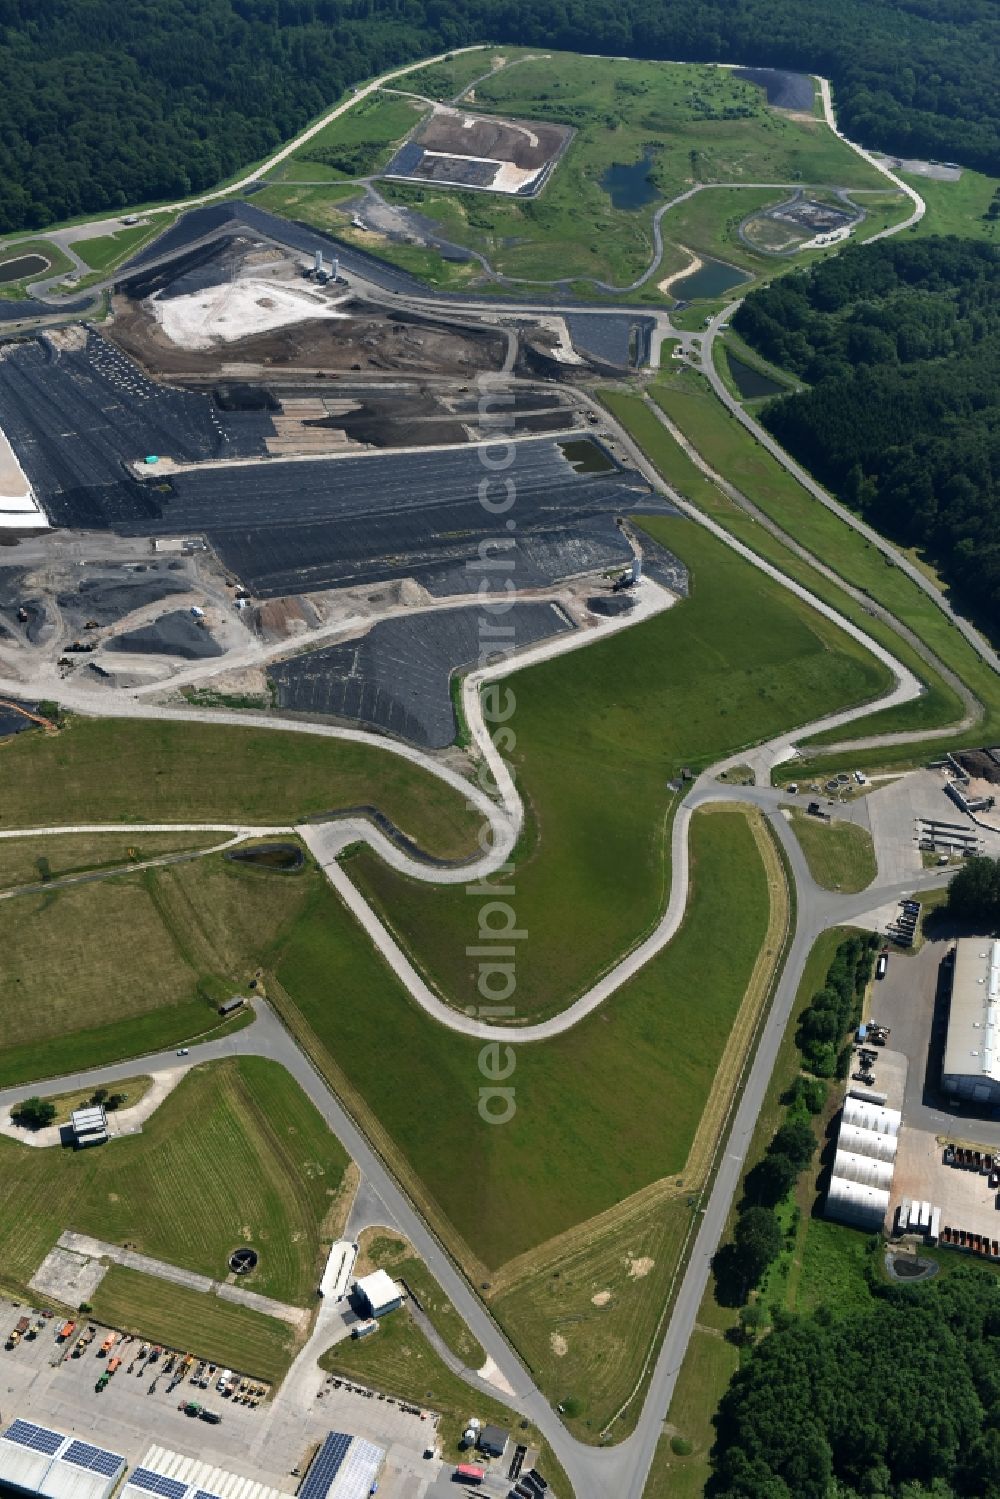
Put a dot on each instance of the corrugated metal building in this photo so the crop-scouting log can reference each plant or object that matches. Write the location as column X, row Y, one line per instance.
column 90, row 1126
column 971, row 1066
column 861, row 1181
column 37, row 1460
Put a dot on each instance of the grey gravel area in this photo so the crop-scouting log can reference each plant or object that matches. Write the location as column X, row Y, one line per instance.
column 108, row 594
column 397, row 677
column 176, row 634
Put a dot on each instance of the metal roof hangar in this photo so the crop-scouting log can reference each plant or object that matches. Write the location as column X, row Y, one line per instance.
column 971, row 1066
column 36, row 1460
column 861, row 1180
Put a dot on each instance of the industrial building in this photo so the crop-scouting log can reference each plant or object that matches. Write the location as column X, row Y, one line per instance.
column 174, row 1475
column 861, row 1180
column 377, row 1294
column 345, row 1467
column 36, row 1460
column 493, row 1440
column 89, row 1126
column 971, row 1067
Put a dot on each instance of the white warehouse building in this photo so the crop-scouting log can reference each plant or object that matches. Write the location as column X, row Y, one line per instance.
column 971, row 1066
column 861, row 1181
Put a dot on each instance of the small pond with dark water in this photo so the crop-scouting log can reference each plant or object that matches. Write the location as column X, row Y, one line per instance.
column 630, row 187
column 711, row 279
column 23, row 267
column 751, row 383
column 269, row 856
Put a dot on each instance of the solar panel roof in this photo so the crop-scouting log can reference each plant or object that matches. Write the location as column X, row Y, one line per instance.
column 157, row 1483
column 38, row 1438
column 326, row 1465
column 99, row 1459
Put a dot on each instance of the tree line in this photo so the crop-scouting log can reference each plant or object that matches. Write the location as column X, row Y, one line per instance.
column 739, row 1265
column 900, row 345
column 105, row 105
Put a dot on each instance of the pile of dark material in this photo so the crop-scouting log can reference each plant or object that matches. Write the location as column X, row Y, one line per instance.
column 397, row 677
column 176, row 634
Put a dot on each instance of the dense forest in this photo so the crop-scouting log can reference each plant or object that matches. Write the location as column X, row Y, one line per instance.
column 105, row 104
column 899, row 1402
column 900, row 345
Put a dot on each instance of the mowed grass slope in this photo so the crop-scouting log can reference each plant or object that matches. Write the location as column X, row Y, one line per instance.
column 114, row 770
column 118, row 967
column 729, row 448
column 601, row 1111
column 235, row 1155
column 229, row 1335
column 599, row 733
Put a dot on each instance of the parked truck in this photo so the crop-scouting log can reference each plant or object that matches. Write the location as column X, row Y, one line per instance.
column 18, row 1332
column 107, row 1345
column 66, row 1331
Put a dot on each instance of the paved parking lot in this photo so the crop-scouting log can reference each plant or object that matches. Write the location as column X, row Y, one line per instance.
column 39, row 1383
column 964, row 1197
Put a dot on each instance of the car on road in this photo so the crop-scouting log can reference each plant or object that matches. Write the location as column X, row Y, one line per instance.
column 182, row 1051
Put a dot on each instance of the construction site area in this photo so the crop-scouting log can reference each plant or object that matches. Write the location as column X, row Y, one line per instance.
column 261, row 481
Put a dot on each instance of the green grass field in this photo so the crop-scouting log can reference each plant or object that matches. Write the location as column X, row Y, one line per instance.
column 840, row 855
column 235, row 1155
column 601, row 1111
column 957, row 207
column 232, row 1336
column 443, row 80
column 680, row 690
column 110, row 969
column 362, row 140
column 689, row 402
column 938, row 704
column 192, row 772
column 59, row 264
column 108, row 250
column 29, row 861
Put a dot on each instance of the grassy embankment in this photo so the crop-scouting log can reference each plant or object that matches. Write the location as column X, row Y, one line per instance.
column 937, row 705
column 134, row 963
column 840, row 855
column 611, row 1111
column 236, row 1154
column 355, row 144
column 734, row 454
column 106, row 251
column 599, row 734
column 31, row 861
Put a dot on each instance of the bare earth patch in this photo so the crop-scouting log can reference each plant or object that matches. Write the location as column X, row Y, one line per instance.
column 601, row 1299
column 639, row 1267
column 560, row 1347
